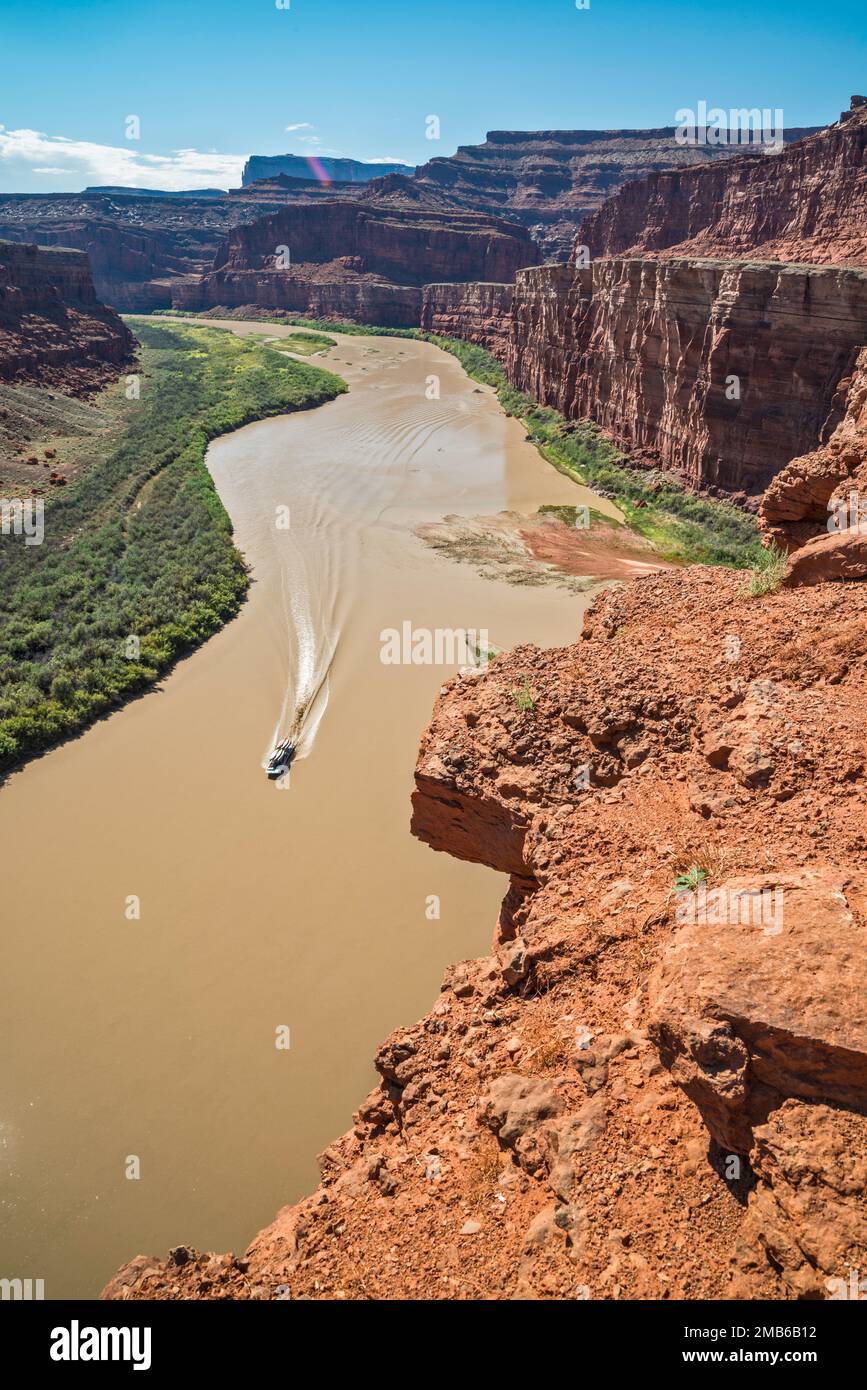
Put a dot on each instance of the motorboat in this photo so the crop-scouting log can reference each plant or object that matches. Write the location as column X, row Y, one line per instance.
column 281, row 759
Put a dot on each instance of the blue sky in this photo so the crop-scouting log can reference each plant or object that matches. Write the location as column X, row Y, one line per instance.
column 215, row 80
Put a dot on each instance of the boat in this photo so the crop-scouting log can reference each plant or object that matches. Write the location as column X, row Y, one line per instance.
column 281, row 759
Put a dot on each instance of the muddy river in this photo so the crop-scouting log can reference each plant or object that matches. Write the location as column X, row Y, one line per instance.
column 172, row 913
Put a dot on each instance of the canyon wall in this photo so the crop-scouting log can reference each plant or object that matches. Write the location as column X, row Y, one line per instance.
column 53, row 328
column 322, row 167
column 816, row 507
column 137, row 244
column 719, row 371
column 355, row 260
column 807, row 203
column 549, row 180
column 479, row 313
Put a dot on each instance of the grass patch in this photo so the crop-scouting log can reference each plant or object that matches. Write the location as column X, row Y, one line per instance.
column 138, row 565
column 768, row 572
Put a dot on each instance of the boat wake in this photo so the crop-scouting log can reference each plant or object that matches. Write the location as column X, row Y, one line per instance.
column 310, row 641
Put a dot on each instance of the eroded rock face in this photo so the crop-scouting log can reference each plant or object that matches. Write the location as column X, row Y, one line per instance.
column 479, row 313
column 53, row 329
column 761, row 997
column 381, row 250
column 549, row 180
column 721, row 372
column 807, row 203
column 298, row 166
column 137, row 245
column 808, row 1212
column 813, row 509
column 527, row 1138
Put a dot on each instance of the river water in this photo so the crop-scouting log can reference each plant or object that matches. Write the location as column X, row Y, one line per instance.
column 147, row 1043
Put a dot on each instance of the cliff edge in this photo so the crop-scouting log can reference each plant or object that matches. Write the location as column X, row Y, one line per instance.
column 655, row 1086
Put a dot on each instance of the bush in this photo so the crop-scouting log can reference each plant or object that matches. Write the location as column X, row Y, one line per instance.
column 769, row 571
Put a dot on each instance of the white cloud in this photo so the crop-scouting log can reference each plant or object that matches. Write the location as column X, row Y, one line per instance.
column 299, row 125
column 385, row 159
column 111, row 164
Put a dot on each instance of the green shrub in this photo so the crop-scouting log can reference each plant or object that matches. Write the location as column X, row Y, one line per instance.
column 768, row 572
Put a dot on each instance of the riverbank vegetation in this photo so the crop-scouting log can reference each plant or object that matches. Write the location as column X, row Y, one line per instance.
column 137, row 565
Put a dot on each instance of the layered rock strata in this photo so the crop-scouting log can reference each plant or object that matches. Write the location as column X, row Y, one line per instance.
column 808, row 203
column 550, row 180
column 817, row 506
column 479, row 313
column 53, row 329
column 375, row 255
column 639, row 1093
column 719, row 372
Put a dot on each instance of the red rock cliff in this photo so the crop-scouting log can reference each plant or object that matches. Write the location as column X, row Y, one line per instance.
column 53, row 329
column 550, row 179
column 648, row 349
column 350, row 244
column 807, row 203
column 480, row 313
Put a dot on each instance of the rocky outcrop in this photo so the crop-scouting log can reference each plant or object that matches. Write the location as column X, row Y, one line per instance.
column 479, row 313
column 757, row 998
column 549, row 180
column 53, row 329
column 816, row 507
column 541, row 1133
column 721, row 372
column 807, row 203
column 376, row 255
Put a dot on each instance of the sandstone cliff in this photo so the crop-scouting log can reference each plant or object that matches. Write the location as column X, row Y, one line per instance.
column 365, row 258
column 53, row 329
column 808, row 203
column 549, row 180
column 137, row 244
column 479, row 313
column 816, row 507
column 300, row 166
column 719, row 371
column 621, row 1100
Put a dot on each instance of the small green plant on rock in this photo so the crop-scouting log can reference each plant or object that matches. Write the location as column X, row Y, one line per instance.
column 768, row 572
column 523, row 696
column 690, row 879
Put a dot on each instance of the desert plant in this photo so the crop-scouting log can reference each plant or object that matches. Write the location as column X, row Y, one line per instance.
column 691, row 879
column 768, row 572
column 523, row 696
